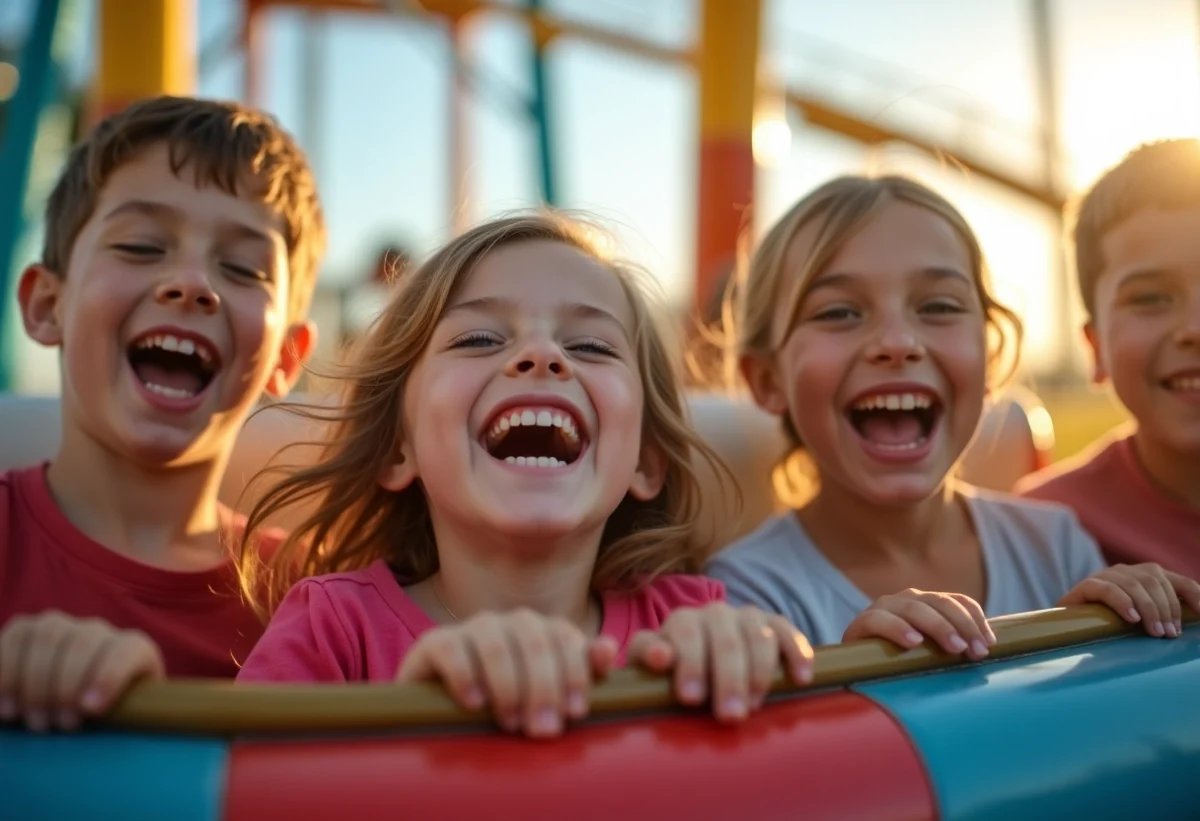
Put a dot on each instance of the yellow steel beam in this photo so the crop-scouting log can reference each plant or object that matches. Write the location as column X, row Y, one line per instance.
column 145, row 48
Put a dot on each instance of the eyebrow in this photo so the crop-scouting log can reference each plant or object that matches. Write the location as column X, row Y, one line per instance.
column 160, row 210
column 1141, row 274
column 839, row 279
column 500, row 305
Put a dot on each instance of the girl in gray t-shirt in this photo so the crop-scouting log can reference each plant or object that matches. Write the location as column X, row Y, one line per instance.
column 865, row 323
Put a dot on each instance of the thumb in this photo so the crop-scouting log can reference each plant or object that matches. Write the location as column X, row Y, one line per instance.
column 416, row 666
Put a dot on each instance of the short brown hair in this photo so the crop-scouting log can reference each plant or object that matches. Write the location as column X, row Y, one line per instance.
column 1163, row 174
column 227, row 143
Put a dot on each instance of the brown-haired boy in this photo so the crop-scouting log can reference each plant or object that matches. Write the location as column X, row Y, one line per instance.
column 1138, row 261
column 182, row 243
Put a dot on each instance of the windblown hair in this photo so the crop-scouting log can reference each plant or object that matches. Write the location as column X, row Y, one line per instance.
column 357, row 521
column 241, row 150
column 840, row 208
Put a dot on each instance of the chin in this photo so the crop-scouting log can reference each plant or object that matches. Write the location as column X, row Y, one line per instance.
column 901, row 490
column 155, row 446
column 541, row 522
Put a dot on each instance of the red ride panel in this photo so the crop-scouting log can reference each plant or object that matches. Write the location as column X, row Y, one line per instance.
column 837, row 756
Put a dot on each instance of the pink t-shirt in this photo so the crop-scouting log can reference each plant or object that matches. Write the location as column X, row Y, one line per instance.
column 1132, row 518
column 357, row 626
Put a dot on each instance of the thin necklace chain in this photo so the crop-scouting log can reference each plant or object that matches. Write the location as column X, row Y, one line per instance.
column 433, row 586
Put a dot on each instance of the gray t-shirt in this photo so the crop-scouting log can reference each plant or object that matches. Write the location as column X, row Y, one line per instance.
column 1033, row 553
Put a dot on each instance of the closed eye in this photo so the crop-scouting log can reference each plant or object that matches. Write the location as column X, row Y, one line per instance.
column 1150, row 299
column 243, row 271
column 835, row 315
column 138, row 250
column 942, row 307
column 475, row 339
column 593, row 346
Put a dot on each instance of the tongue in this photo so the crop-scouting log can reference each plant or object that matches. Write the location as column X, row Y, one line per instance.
column 891, row 428
column 179, row 379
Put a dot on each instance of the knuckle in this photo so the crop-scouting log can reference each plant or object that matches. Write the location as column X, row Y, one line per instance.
column 686, row 632
column 524, row 618
column 492, row 651
column 535, row 644
column 727, row 643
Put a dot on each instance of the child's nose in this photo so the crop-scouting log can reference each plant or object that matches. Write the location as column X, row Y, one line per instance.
column 187, row 289
column 541, row 359
column 895, row 344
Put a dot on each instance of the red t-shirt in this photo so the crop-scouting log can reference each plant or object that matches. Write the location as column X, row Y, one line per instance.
column 1132, row 518
column 199, row 620
column 357, row 626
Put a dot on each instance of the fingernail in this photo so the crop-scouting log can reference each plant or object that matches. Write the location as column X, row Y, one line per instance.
column 957, row 645
column 733, row 707
column 91, row 701
column 1158, row 628
column 803, row 673
column 576, row 704
column 547, row 722
column 978, row 647
column 8, row 707
column 692, row 690
column 1133, row 615
column 35, row 720
column 913, row 637
column 1170, row 630
column 474, row 698
column 68, row 719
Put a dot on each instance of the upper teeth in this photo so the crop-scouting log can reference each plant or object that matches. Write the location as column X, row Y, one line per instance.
column 542, row 418
column 1185, row 383
column 894, row 401
column 170, row 342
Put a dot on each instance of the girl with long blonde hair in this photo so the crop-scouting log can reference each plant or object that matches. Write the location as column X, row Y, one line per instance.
column 866, row 323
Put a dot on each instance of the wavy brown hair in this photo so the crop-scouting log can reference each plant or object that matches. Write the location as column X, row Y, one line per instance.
column 840, row 208
column 357, row 521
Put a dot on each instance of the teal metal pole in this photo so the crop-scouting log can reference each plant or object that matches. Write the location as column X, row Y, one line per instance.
column 541, row 116
column 36, row 79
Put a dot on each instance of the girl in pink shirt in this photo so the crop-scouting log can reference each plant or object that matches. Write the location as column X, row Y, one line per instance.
column 507, row 497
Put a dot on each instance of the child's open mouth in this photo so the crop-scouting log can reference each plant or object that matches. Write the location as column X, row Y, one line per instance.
column 896, row 422
column 173, row 365
column 545, row 437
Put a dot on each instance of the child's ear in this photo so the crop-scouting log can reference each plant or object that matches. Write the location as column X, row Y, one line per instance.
column 401, row 472
column 651, row 474
column 766, row 387
column 298, row 345
column 39, row 293
column 1099, row 372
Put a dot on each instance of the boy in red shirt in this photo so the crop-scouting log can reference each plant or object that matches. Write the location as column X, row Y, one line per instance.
column 182, row 244
column 1138, row 262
